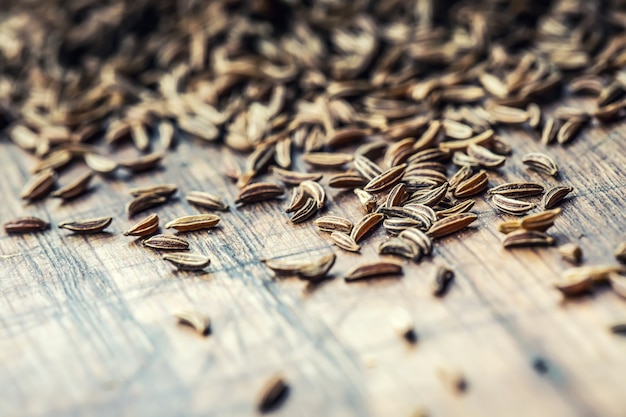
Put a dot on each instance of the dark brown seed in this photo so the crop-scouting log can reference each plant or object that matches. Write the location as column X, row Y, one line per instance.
column 316, row 191
column 308, row 209
column 442, row 280
column 346, row 180
column 145, row 227
column 167, row 242
column 272, row 394
column 200, row 324
column 451, row 224
column 260, row 191
column 87, row 226
column 298, row 198
column 555, row 195
column 206, row 200
column 293, row 177
column 165, row 190
column 39, row 185
column 525, row 238
column 463, row 207
column 476, row 184
column 144, row 202
column 26, row 225
column 187, row 261
column 373, row 269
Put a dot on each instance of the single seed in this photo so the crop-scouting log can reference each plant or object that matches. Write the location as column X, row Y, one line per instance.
column 555, row 195
column 318, row 269
column 345, row 241
column 272, row 394
column 540, row 221
column 511, row 206
column 293, row 177
column 347, row 180
column 541, row 163
column 260, row 191
column 418, row 237
column 476, row 184
column 451, row 224
column 143, row 163
column 145, row 227
column 39, row 185
column 194, row 222
column 366, row 225
column 206, row 200
column 432, row 197
column 400, row 247
column 100, row 164
column 517, row 189
column 298, row 198
column 549, row 131
column 165, row 190
column 308, row 209
column 485, row 157
column 463, row 207
column 76, row 187
column 144, row 202
column 569, row 130
column 55, row 160
column 525, row 238
column 333, row 224
column 386, row 179
column 187, row 261
column 199, row 323
column 166, row 242
column 316, row 191
column 442, row 280
column 26, row 225
column 373, row 269
column 87, row 226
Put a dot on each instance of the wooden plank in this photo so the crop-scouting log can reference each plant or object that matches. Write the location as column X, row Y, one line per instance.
column 86, row 323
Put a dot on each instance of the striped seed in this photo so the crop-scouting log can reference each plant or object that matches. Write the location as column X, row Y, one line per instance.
column 27, row 224
column 451, row 224
column 333, row 224
column 39, row 185
column 316, row 191
column 100, row 164
column 87, row 226
column 327, row 159
column 397, row 195
column 460, row 145
column 55, row 160
column 373, row 269
column 506, row 115
column 260, row 191
column 206, row 200
column 298, row 198
column 525, row 238
column 397, row 225
column 457, row 130
column 534, row 115
column 464, row 173
column 345, row 241
column 431, row 197
column 293, row 177
column 272, row 394
column 511, row 205
column 569, row 130
column 418, row 237
column 143, row 163
column 366, row 225
column 540, row 221
column 144, row 202
column 485, row 157
column 517, row 189
column 167, row 242
column 555, row 195
column 194, row 222
column 308, row 209
column 165, row 190
column 76, row 187
column 199, row 323
column 549, row 131
column 463, row 207
column 366, row 167
column 541, row 163
column 400, row 247
column 187, row 261
column 475, row 184
column 145, row 227
column 386, row 179
column 347, row 180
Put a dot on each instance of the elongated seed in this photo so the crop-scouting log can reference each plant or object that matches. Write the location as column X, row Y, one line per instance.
column 143, row 163
column 260, row 191
column 386, row 179
column 293, row 177
column 318, row 269
column 366, row 225
column 476, row 184
column 400, row 247
column 308, row 209
column 517, row 189
column 27, row 224
column 100, row 164
column 345, row 241
column 316, row 191
column 555, row 195
column 451, row 224
column 187, row 261
column 145, row 227
column 76, row 187
column 373, row 269
column 87, row 226
column 199, row 323
column 541, row 163
column 442, row 280
column 418, row 237
column 525, row 238
column 144, row 202
column 333, row 224
column 511, row 205
column 194, row 222
column 164, row 190
column 167, row 242
column 206, row 200
column 39, row 185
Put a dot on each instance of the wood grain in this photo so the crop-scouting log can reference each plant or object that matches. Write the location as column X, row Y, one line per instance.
column 86, row 326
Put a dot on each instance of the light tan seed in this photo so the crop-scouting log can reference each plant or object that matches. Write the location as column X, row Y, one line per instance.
column 272, row 394
column 463, row 207
column 166, row 133
column 285, row 266
column 462, row 159
column 428, row 138
column 475, row 184
column 199, row 323
column 100, row 164
column 494, row 85
column 511, row 205
column 327, row 159
column 165, row 190
column 366, row 167
column 549, row 131
column 55, row 160
column 23, row 137
column 575, row 288
column 373, row 269
column 485, row 157
column 599, row 274
column 308, row 209
column 39, row 185
column 506, row 115
column 525, row 238
column 318, row 269
column 143, row 163
column 457, row 130
column 293, row 177
column 145, row 227
column 541, row 163
column 87, row 226
column 76, row 187
column 366, row 225
column 571, row 113
column 400, row 247
column 260, row 191
column 618, row 283
column 144, row 202
column 386, row 179
column 316, row 191
column 418, row 237
column 464, row 173
column 569, row 130
column 620, row 252
column 534, row 115
column 194, row 222
column 442, row 280
column 555, row 195
column 26, row 225
column 345, row 241
column 206, row 200
column 167, row 242
column 333, row 224
column 397, row 225
column 283, row 153
column 540, row 221
column 571, row 253
column 517, row 189
column 460, row 145
column 367, row 200
column 451, row 224
column 187, row 261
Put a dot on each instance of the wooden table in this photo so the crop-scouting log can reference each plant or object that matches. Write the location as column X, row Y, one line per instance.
column 86, row 325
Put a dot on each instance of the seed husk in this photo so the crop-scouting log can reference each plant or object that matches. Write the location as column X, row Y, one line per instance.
column 308, row 209
column 76, row 187
column 100, row 164
column 298, row 198
column 345, row 241
column 144, row 162
column 257, row 192
column 366, row 225
column 55, row 160
column 451, row 224
column 418, row 237
column 199, row 323
column 373, row 269
column 165, row 190
column 318, row 269
column 194, row 222
column 187, row 261
column 555, row 195
column 620, row 252
column 39, row 185
column 511, row 205
column 333, row 224
column 145, row 227
column 400, row 247
column 540, row 221
column 293, row 177
column 474, row 185
column 402, row 323
column 166, row 242
column 541, row 163
column 272, row 394
column 442, row 280
column 26, row 224
column 366, row 167
column 517, row 189
column 316, row 191
column 386, row 179
column 571, row 253
column 144, row 202
column 87, row 226
column 206, row 200
column 525, row 238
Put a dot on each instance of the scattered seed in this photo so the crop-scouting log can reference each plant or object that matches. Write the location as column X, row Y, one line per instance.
column 187, row 261
column 145, row 227
column 333, row 224
column 87, row 226
column 194, row 222
column 206, row 200
column 260, row 191
column 373, row 269
column 28, row 224
column 451, row 224
column 166, row 242
column 345, row 241
column 555, row 195
column 366, row 225
column 144, row 202
column 442, row 280
column 525, row 238
column 165, row 190
column 201, row 324
column 39, row 185
column 511, row 206
column 272, row 394
column 541, row 163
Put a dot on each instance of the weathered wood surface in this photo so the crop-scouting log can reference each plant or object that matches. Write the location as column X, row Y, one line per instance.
column 86, row 325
